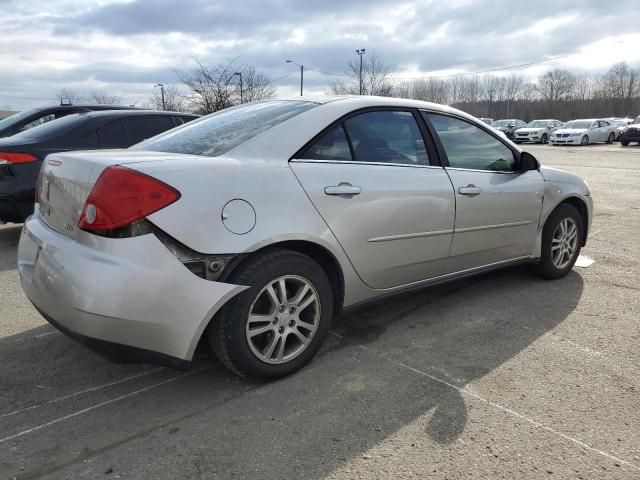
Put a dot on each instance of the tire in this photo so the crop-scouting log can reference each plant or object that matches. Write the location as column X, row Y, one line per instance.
column 612, row 137
column 229, row 331
column 585, row 141
column 624, row 143
column 547, row 267
column 544, row 139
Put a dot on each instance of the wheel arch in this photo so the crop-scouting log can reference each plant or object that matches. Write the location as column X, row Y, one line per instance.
column 320, row 254
column 582, row 208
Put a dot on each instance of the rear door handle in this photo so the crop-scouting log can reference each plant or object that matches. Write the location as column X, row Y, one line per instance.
column 470, row 190
column 342, row 189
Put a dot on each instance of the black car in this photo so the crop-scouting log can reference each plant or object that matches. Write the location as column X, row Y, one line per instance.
column 631, row 133
column 21, row 121
column 508, row 126
column 22, row 154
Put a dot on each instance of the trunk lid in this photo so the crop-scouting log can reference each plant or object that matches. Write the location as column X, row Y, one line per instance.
column 67, row 179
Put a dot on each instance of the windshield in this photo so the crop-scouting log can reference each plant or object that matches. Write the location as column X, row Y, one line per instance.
column 15, row 118
column 579, row 124
column 538, row 123
column 502, row 123
column 219, row 132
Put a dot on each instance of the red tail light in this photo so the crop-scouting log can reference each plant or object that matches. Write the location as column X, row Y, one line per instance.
column 12, row 157
column 121, row 196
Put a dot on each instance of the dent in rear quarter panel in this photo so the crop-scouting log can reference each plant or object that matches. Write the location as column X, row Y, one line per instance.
column 283, row 211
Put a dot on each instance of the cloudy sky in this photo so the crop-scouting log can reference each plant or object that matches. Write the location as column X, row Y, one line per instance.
column 124, row 47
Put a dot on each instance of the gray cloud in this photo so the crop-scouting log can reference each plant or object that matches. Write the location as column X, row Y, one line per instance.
column 130, row 46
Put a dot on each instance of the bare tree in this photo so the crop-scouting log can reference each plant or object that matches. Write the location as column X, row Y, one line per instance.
column 376, row 78
column 255, row 85
column 94, row 96
column 173, row 100
column 622, row 85
column 215, row 87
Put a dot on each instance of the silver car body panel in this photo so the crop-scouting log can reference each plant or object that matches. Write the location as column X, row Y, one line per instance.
column 93, row 286
column 574, row 136
column 384, row 240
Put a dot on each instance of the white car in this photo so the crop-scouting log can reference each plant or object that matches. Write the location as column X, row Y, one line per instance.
column 584, row 132
column 537, row 131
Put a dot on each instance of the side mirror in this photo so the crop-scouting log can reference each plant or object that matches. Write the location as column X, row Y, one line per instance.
column 528, row 162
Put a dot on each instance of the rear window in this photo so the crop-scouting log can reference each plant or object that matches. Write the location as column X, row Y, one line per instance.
column 219, row 132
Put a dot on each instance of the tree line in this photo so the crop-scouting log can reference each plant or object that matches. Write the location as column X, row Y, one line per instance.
column 558, row 93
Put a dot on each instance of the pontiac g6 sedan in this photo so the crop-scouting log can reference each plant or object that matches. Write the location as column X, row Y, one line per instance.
column 256, row 225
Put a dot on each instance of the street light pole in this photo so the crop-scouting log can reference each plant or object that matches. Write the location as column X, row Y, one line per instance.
column 361, row 53
column 301, row 74
column 164, row 106
column 240, row 75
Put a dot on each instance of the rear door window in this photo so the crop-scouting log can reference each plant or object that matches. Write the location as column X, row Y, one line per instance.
column 333, row 145
column 387, row 137
column 113, row 135
column 141, row 128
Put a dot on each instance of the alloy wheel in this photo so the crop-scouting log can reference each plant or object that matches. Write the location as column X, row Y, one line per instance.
column 283, row 319
column 564, row 243
column 585, row 140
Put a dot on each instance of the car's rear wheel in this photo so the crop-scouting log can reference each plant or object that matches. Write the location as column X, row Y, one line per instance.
column 585, row 140
column 279, row 323
column 612, row 137
column 561, row 242
column 544, row 138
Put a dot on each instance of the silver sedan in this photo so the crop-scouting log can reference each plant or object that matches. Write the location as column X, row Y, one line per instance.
column 256, row 225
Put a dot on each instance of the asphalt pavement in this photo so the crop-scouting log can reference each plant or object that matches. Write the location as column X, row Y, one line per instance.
column 502, row 376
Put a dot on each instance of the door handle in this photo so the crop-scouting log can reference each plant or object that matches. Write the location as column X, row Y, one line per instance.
column 342, row 189
column 470, row 190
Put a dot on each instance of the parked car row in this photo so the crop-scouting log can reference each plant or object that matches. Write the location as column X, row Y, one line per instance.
column 574, row 132
column 69, row 129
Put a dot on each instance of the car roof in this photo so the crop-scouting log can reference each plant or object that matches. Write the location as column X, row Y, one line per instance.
column 137, row 113
column 364, row 101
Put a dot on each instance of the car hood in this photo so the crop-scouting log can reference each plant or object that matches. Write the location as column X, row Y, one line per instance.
column 633, row 125
column 571, row 130
column 560, row 176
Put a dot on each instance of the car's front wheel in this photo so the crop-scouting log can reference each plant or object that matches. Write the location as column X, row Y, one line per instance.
column 585, row 140
column 279, row 323
column 544, row 138
column 624, row 143
column 561, row 242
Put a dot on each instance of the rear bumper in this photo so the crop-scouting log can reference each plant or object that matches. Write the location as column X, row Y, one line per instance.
column 129, row 298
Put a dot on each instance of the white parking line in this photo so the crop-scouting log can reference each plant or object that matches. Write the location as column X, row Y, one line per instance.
column 466, row 391
column 81, row 392
column 102, row 404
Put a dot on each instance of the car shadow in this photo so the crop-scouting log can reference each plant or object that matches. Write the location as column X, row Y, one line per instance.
column 384, row 366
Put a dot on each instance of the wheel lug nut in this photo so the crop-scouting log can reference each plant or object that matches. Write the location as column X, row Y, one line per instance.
column 281, row 329
column 292, row 323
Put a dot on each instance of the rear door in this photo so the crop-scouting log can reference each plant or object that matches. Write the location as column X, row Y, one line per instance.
column 497, row 207
column 378, row 187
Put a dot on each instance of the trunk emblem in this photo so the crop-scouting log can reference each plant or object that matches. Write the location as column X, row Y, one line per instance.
column 55, row 163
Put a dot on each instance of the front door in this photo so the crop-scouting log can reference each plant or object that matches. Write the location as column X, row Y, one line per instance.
column 391, row 210
column 497, row 207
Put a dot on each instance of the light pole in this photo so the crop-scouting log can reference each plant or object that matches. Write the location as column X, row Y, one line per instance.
column 240, row 75
column 301, row 73
column 164, row 107
column 361, row 53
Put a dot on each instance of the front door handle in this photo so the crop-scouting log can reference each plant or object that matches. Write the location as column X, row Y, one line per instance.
column 470, row 190
column 342, row 189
